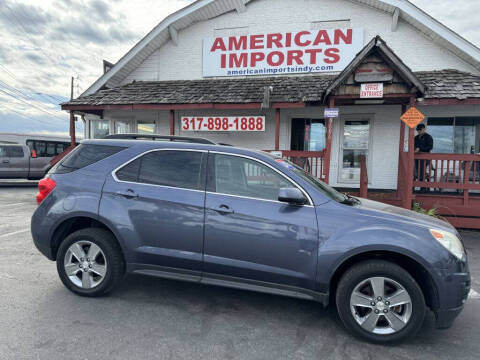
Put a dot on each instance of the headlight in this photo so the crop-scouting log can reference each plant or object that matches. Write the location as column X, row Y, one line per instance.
column 450, row 241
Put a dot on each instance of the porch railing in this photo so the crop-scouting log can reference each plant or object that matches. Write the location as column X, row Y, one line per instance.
column 447, row 172
column 311, row 161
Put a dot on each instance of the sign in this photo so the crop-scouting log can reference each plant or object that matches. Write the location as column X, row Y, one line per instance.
column 412, row 117
column 371, row 91
column 331, row 113
column 224, row 123
column 309, row 51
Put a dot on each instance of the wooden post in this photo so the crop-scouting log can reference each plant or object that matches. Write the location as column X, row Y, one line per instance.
column 172, row 122
column 73, row 141
column 407, row 200
column 72, row 129
column 401, row 149
column 363, row 177
column 328, row 145
column 466, row 181
column 277, row 129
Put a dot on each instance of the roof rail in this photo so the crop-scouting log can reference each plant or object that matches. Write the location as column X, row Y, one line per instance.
column 186, row 139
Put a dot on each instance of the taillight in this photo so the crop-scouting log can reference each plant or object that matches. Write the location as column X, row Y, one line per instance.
column 45, row 187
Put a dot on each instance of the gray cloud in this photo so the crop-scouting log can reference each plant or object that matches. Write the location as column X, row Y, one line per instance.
column 22, row 17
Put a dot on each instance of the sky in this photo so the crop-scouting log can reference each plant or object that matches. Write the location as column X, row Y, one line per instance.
column 44, row 43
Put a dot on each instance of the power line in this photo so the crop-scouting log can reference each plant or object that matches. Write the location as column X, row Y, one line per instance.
column 19, row 92
column 30, row 104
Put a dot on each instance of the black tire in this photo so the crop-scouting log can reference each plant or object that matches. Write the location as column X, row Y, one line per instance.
column 378, row 268
column 115, row 265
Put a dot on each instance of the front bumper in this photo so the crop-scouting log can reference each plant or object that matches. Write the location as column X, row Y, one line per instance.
column 452, row 295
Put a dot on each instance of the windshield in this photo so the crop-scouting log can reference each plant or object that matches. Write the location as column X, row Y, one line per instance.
column 325, row 189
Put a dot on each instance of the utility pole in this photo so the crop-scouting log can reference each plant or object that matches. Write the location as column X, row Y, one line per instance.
column 72, row 120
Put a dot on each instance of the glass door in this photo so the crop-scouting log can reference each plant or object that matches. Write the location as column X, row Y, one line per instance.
column 355, row 143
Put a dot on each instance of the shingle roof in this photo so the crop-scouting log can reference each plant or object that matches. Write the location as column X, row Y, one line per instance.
column 450, row 84
column 439, row 84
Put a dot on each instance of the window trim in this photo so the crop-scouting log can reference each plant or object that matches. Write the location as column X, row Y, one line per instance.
column 116, row 179
column 310, row 204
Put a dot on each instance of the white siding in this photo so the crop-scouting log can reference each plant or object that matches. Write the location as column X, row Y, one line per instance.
column 184, row 61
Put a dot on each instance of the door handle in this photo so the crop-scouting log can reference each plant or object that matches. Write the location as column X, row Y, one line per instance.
column 129, row 194
column 6, row 161
column 223, row 209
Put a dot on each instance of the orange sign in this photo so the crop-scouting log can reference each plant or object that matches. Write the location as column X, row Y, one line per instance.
column 412, row 117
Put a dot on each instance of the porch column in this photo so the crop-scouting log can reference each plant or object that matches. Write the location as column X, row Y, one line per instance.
column 410, row 164
column 172, row 122
column 72, row 129
column 277, row 129
column 328, row 145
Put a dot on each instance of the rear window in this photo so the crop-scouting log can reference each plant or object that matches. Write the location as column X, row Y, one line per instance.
column 84, row 155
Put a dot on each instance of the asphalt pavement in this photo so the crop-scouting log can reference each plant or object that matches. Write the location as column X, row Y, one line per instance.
column 150, row 318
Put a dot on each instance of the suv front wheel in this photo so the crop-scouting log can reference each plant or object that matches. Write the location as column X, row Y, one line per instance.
column 89, row 262
column 381, row 302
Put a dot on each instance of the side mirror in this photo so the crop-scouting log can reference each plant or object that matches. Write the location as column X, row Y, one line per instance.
column 292, row 196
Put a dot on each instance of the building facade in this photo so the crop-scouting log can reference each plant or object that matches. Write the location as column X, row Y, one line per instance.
column 224, row 65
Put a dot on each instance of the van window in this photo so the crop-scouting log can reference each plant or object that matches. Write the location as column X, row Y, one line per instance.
column 3, row 151
column 15, row 151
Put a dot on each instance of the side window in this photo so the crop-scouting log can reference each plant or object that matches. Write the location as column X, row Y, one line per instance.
column 244, row 177
column 130, row 171
column 51, row 149
column 3, row 151
column 180, row 169
column 41, row 148
column 15, row 151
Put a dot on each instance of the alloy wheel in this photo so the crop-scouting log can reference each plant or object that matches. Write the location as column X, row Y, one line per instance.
column 381, row 305
column 85, row 264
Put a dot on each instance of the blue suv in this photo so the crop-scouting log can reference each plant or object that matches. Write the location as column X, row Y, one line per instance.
column 189, row 210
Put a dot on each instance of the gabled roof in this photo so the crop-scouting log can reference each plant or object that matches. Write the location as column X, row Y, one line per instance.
column 202, row 10
column 377, row 45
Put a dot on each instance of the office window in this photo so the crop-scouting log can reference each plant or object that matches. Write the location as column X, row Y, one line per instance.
column 99, row 128
column 454, row 134
column 146, row 127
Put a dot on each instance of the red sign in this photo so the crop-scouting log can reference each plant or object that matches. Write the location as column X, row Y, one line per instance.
column 371, row 91
column 412, row 117
column 225, row 123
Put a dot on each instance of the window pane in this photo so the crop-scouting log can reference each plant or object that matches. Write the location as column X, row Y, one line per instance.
column 441, row 130
column 316, row 136
column 179, row 169
column 3, row 151
column 41, row 148
column 51, row 149
column 121, row 127
column 465, row 135
column 99, row 128
column 351, row 164
column 356, row 135
column 84, row 155
column 130, row 171
column 16, row 151
column 59, row 149
column 243, row 177
column 146, row 127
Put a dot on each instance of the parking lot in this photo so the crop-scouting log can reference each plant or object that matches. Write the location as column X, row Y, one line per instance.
column 155, row 318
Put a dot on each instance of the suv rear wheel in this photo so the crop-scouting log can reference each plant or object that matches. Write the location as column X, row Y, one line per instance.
column 381, row 302
column 89, row 262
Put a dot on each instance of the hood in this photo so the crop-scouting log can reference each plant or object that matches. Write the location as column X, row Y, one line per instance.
column 375, row 208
